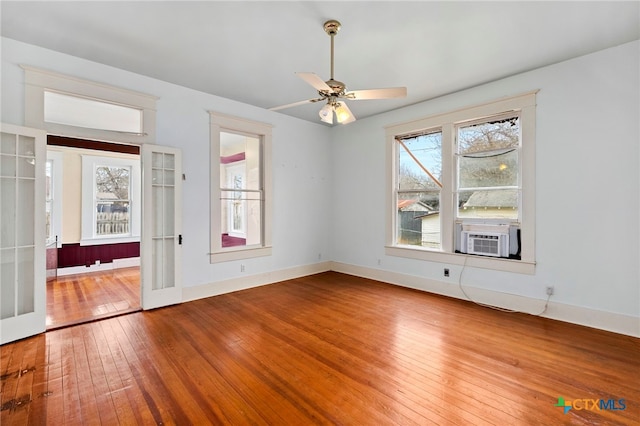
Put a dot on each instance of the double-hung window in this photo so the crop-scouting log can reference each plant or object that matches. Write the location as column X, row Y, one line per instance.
column 111, row 199
column 240, row 188
column 461, row 186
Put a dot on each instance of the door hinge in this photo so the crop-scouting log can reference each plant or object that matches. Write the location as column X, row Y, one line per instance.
column 180, row 239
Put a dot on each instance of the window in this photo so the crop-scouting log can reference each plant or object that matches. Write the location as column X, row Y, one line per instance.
column 111, row 200
column 95, row 114
column 70, row 106
column 48, row 190
column 467, row 171
column 240, row 188
column 53, row 194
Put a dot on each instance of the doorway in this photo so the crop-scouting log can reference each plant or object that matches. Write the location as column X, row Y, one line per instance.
column 93, row 221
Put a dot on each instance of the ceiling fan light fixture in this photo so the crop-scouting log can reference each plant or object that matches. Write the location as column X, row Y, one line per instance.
column 343, row 114
column 326, row 114
column 332, row 89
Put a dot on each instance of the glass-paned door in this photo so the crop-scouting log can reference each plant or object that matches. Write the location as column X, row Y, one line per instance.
column 22, row 232
column 161, row 228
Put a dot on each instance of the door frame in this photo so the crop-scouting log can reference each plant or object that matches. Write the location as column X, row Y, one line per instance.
column 30, row 324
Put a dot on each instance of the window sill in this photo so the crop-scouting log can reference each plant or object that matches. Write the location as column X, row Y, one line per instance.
column 496, row 264
column 108, row 240
column 239, row 254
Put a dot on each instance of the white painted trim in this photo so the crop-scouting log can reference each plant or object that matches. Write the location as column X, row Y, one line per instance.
column 127, row 262
column 116, row 264
column 250, row 281
column 484, row 262
column 609, row 321
column 239, row 253
column 38, row 80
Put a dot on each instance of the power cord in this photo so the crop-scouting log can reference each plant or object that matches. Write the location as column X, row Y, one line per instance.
column 497, row 308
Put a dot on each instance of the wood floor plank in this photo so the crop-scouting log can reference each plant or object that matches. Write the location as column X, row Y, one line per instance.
column 323, row 349
column 73, row 299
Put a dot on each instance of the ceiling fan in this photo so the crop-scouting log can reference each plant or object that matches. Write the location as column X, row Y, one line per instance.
column 332, row 90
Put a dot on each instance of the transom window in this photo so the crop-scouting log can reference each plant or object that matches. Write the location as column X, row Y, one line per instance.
column 89, row 113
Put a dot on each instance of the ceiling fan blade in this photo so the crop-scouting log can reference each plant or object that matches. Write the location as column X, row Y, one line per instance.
column 314, row 81
column 276, row 108
column 391, row 92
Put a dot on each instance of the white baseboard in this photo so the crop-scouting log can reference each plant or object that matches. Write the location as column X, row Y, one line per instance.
column 249, row 281
column 617, row 323
column 116, row 264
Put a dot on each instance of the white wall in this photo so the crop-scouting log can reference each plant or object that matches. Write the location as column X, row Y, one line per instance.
column 587, row 230
column 301, row 164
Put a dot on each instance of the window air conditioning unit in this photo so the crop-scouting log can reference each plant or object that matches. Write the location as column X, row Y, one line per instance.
column 486, row 240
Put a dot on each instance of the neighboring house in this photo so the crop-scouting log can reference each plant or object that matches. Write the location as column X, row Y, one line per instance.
column 491, row 205
column 409, row 214
column 420, row 225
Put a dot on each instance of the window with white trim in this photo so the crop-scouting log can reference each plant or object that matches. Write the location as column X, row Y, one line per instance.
column 110, row 199
column 462, row 186
column 240, row 188
column 71, row 106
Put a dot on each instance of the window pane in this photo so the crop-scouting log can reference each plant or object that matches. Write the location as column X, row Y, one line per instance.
column 489, row 136
column 91, row 113
column 489, row 204
column 418, row 219
column 240, row 151
column 49, row 202
column 489, row 170
column 112, row 183
column 420, row 162
column 112, row 218
column 241, row 218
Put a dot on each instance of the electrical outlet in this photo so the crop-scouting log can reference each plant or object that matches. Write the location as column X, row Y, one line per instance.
column 241, row 268
column 446, row 272
column 549, row 290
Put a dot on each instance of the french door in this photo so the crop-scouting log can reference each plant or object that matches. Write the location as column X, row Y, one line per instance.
column 161, row 253
column 22, row 232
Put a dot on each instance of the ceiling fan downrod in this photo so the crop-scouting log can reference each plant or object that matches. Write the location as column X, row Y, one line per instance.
column 332, row 27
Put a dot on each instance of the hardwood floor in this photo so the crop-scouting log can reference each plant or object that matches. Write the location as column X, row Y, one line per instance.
column 324, row 349
column 73, row 299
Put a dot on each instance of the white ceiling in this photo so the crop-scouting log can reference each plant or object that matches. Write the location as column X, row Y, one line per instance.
column 249, row 51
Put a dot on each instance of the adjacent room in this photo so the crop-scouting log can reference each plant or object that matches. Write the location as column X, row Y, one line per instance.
column 371, row 213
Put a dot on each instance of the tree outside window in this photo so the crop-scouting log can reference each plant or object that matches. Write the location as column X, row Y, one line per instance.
column 112, row 200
